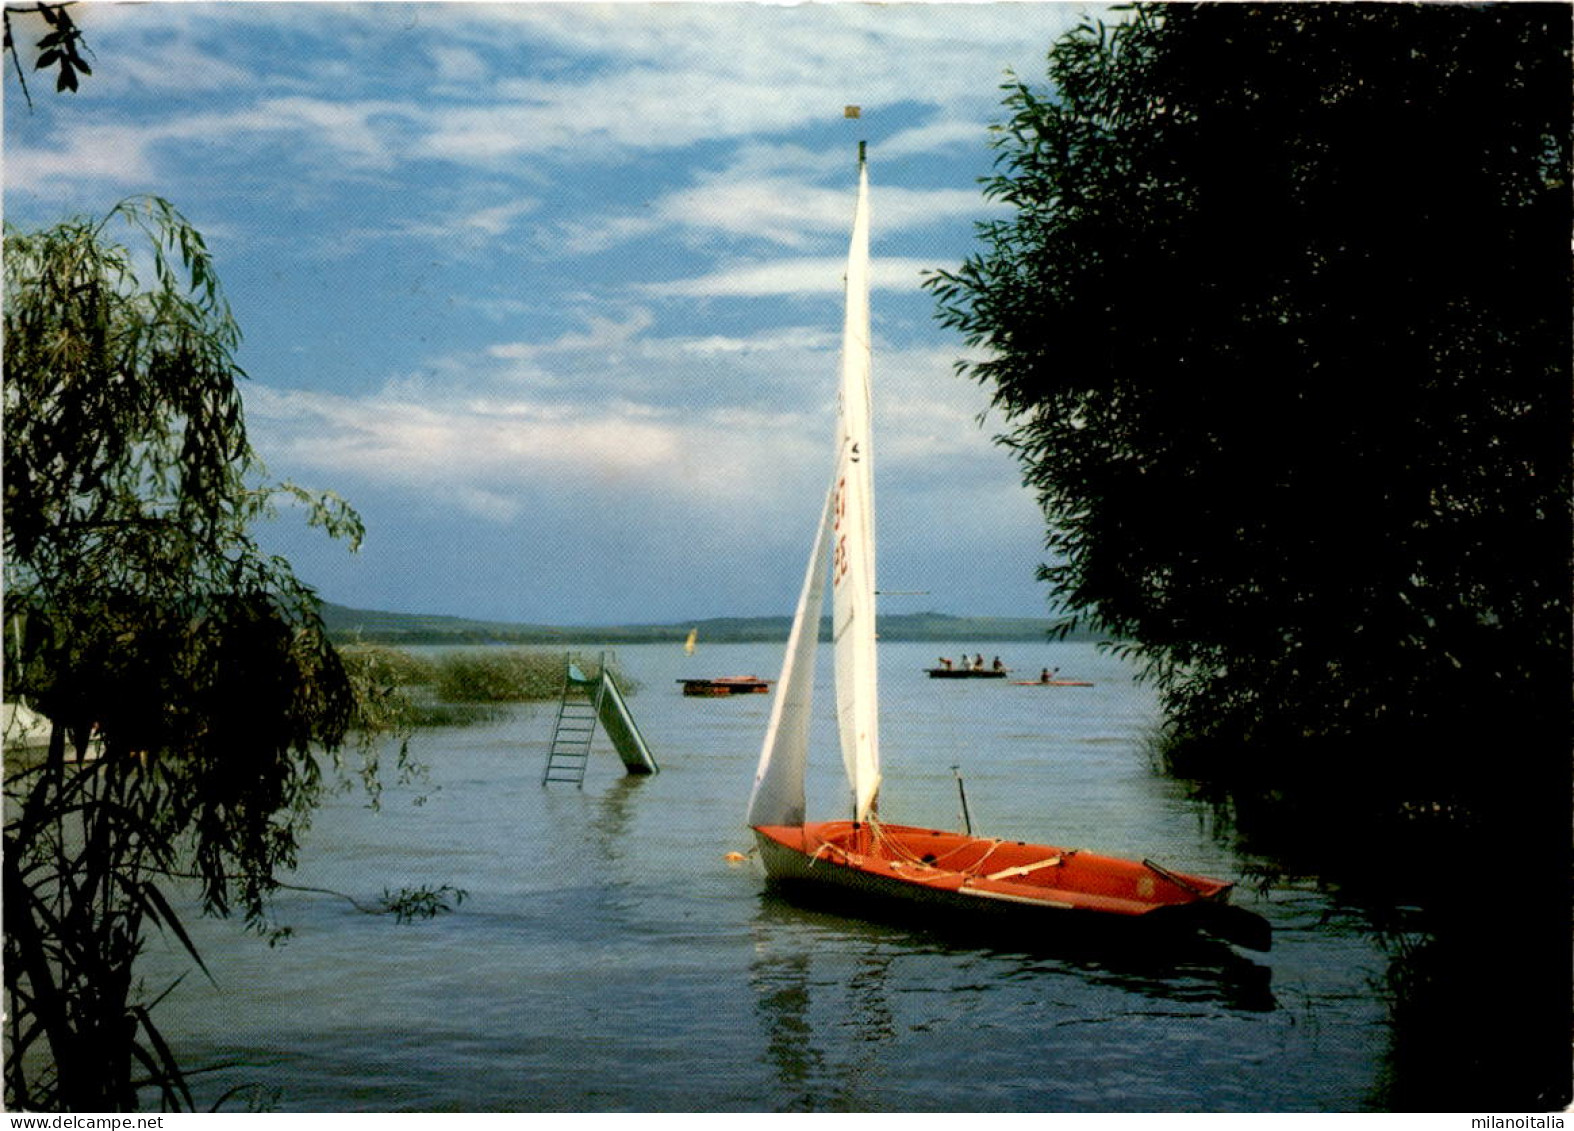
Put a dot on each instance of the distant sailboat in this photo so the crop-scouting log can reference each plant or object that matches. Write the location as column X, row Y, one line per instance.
column 952, row 874
column 688, row 645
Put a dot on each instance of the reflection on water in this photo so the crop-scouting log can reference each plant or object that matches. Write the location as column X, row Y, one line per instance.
column 1167, row 962
column 609, row 830
column 807, row 1078
column 781, row 987
column 833, row 996
column 798, row 1035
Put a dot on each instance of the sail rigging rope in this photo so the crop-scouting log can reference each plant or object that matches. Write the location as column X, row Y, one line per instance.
column 895, row 849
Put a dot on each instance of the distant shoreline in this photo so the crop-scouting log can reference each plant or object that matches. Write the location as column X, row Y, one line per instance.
column 346, row 625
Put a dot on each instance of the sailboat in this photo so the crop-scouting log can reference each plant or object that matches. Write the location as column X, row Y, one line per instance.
column 948, row 876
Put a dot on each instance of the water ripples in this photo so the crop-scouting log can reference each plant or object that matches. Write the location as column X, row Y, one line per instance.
column 607, row 956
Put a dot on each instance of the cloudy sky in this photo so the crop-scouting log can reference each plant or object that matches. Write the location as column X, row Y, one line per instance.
column 551, row 293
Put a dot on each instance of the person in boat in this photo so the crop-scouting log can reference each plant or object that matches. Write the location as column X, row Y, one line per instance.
column 945, row 663
column 1043, row 676
column 978, row 662
column 999, row 667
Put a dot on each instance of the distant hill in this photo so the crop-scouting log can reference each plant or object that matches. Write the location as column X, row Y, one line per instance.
column 345, row 624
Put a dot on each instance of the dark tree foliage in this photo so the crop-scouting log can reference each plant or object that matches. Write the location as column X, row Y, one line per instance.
column 1280, row 321
column 188, row 676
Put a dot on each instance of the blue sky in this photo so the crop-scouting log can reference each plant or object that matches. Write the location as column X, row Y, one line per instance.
column 551, row 293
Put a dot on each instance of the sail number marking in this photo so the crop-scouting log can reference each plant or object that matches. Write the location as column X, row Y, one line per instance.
column 839, row 559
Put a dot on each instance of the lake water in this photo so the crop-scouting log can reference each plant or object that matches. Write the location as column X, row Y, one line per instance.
column 609, row 957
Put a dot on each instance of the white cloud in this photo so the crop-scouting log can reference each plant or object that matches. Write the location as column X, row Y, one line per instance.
column 365, row 133
column 936, row 137
column 786, row 200
column 176, row 56
column 795, row 276
column 803, row 341
column 794, row 213
column 340, row 136
column 663, row 77
column 782, row 211
column 654, row 77
column 95, row 153
column 492, row 456
column 707, row 418
column 603, row 337
column 473, row 228
column 648, row 76
column 456, row 64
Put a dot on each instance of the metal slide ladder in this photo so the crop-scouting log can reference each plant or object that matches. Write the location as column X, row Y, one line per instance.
column 575, row 727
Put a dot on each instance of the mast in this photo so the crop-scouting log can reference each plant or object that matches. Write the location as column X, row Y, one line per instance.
column 853, row 533
column 844, row 549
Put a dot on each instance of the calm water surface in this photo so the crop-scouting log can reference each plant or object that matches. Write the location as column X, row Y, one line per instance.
column 608, row 957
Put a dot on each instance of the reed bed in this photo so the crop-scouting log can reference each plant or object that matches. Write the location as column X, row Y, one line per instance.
column 459, row 687
column 498, row 677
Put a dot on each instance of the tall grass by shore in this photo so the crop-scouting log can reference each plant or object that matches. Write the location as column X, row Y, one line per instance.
column 462, row 686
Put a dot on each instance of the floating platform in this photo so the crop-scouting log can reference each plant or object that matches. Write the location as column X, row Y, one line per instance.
column 725, row 685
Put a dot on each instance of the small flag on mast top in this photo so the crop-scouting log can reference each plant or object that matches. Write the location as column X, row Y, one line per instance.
column 850, row 111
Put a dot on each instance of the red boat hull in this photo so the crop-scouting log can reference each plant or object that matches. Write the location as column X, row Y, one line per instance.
column 953, row 873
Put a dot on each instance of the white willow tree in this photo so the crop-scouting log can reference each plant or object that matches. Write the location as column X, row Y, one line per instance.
column 192, row 687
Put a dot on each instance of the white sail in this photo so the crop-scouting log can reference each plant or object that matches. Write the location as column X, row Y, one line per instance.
column 852, row 569
column 846, row 535
column 778, row 797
